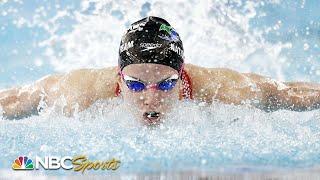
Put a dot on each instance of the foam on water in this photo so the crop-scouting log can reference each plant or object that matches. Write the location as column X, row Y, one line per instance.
column 274, row 38
column 195, row 136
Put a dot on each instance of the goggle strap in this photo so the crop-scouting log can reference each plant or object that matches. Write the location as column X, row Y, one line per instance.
column 181, row 70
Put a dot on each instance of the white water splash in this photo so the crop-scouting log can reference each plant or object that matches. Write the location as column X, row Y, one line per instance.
column 215, row 33
column 207, row 137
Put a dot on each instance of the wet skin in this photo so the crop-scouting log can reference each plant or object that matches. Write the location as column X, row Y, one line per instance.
column 149, row 100
column 85, row 86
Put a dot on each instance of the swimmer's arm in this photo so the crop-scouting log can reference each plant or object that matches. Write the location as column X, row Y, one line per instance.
column 221, row 84
column 81, row 88
column 231, row 87
column 78, row 89
column 23, row 101
column 271, row 95
column 296, row 96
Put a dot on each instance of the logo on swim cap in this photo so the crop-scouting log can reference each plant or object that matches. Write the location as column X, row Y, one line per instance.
column 173, row 35
column 151, row 40
column 165, row 28
column 150, row 46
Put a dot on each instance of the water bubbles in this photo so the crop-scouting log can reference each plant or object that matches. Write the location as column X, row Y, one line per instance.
column 44, row 148
column 277, row 25
column 38, row 62
column 192, row 133
column 303, row 2
column 4, row 1
column 4, row 13
column 244, row 40
column 305, row 46
column 203, row 161
column 1, row 112
column 307, row 31
column 230, row 38
column 14, row 51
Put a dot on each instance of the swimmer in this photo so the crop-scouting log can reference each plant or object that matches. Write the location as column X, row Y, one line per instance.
column 151, row 73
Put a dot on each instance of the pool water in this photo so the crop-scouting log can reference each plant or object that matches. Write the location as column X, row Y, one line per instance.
column 213, row 137
column 274, row 38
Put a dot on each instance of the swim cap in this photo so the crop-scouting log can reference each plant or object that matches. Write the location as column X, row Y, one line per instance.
column 151, row 40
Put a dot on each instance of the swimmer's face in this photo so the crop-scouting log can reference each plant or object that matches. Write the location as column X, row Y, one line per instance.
column 146, row 104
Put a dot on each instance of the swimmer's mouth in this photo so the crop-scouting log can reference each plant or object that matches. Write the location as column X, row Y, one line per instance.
column 152, row 116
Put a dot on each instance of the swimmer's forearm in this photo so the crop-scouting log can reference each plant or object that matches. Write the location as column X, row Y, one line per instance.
column 296, row 97
column 24, row 101
column 302, row 98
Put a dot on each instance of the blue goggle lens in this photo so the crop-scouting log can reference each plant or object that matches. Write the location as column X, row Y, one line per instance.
column 135, row 85
column 167, row 84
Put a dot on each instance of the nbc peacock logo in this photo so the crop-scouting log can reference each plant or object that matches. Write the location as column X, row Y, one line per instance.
column 22, row 163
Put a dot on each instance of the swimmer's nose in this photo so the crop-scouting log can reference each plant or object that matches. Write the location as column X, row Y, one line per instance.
column 151, row 98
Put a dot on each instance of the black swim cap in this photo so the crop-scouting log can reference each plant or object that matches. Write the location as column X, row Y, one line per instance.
column 151, row 40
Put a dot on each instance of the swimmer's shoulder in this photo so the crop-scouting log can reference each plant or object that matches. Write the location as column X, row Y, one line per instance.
column 91, row 76
column 204, row 73
column 94, row 83
column 211, row 82
column 204, row 81
column 104, row 81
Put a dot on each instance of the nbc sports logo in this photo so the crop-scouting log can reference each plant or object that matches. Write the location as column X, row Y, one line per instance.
column 78, row 163
column 22, row 163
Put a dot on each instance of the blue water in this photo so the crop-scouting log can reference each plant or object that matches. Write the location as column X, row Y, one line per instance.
column 279, row 39
column 24, row 25
column 214, row 138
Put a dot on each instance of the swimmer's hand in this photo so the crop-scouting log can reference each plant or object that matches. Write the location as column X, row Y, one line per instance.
column 18, row 102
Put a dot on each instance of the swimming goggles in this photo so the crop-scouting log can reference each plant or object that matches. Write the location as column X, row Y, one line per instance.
column 137, row 85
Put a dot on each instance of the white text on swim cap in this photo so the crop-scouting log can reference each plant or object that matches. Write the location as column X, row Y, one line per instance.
column 126, row 46
column 136, row 27
column 176, row 49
